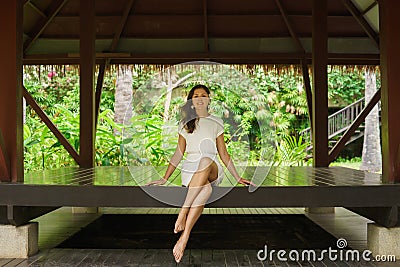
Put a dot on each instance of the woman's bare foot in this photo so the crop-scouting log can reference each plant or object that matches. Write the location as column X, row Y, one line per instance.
column 181, row 221
column 179, row 248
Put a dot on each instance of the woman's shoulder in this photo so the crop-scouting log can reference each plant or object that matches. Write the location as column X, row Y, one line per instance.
column 216, row 119
column 218, row 123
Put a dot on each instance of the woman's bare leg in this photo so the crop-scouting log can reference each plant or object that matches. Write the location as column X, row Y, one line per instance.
column 192, row 217
column 181, row 221
column 207, row 172
column 199, row 192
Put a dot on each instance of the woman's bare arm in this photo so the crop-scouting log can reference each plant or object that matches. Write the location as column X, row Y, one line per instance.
column 174, row 162
column 226, row 159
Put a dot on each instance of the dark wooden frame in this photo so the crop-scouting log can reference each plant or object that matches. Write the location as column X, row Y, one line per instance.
column 380, row 207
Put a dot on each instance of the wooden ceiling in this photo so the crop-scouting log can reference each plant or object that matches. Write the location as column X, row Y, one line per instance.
column 171, row 31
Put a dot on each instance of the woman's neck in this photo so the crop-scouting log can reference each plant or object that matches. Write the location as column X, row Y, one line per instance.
column 202, row 113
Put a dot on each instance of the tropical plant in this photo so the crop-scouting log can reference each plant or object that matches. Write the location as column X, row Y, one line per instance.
column 292, row 151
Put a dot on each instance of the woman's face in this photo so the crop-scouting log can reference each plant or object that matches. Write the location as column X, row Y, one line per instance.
column 200, row 99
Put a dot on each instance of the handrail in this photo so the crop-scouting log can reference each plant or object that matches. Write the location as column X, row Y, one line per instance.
column 341, row 120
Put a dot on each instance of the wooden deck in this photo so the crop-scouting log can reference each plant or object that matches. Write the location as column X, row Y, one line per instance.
column 59, row 225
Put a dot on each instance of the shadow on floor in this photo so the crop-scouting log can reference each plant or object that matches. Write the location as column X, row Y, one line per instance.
column 211, row 232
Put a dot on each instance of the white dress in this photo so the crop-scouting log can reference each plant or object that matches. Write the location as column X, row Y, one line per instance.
column 199, row 144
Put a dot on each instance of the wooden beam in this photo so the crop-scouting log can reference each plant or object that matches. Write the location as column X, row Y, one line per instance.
column 121, row 25
column 205, row 23
column 53, row 128
column 353, row 127
column 99, row 86
column 390, row 73
column 307, row 86
column 320, row 83
column 40, row 12
column 361, row 20
column 4, row 160
column 371, row 6
column 53, row 10
column 386, row 216
column 289, row 26
column 11, row 112
column 87, row 92
column 174, row 58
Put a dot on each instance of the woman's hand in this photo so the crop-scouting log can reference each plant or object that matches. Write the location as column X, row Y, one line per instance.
column 157, row 182
column 245, row 182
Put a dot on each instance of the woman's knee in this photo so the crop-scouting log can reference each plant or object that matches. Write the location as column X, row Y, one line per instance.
column 205, row 163
column 207, row 189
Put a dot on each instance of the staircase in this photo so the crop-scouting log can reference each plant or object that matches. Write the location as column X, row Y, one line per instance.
column 340, row 121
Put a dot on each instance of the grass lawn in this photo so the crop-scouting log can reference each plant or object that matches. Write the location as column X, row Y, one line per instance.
column 352, row 165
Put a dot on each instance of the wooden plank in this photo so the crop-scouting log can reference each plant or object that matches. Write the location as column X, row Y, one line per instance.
column 242, row 258
column 149, row 257
column 4, row 261
column 91, row 257
column 251, row 255
column 136, row 257
column 206, row 257
column 218, row 258
column 230, row 258
column 103, row 255
column 115, row 258
column 76, row 257
column 14, row 263
column 195, row 257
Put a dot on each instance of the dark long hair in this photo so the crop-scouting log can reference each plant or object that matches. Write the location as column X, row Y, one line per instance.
column 189, row 115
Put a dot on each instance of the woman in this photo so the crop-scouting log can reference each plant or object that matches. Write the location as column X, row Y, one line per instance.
column 201, row 136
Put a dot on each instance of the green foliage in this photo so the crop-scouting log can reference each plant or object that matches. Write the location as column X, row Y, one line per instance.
column 286, row 99
column 151, row 140
column 345, row 87
column 291, row 151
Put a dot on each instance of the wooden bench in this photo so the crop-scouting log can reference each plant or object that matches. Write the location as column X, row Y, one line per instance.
column 359, row 191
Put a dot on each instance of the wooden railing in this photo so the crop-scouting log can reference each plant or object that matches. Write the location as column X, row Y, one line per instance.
column 340, row 121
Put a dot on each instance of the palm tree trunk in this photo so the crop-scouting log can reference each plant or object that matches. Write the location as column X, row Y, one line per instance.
column 371, row 154
column 123, row 96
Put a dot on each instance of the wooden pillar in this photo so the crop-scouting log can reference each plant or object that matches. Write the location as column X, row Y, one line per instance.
column 390, row 73
column 87, row 89
column 11, row 163
column 320, row 84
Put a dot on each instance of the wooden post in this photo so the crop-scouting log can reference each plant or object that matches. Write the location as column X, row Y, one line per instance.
column 320, row 84
column 87, row 92
column 11, row 91
column 390, row 86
